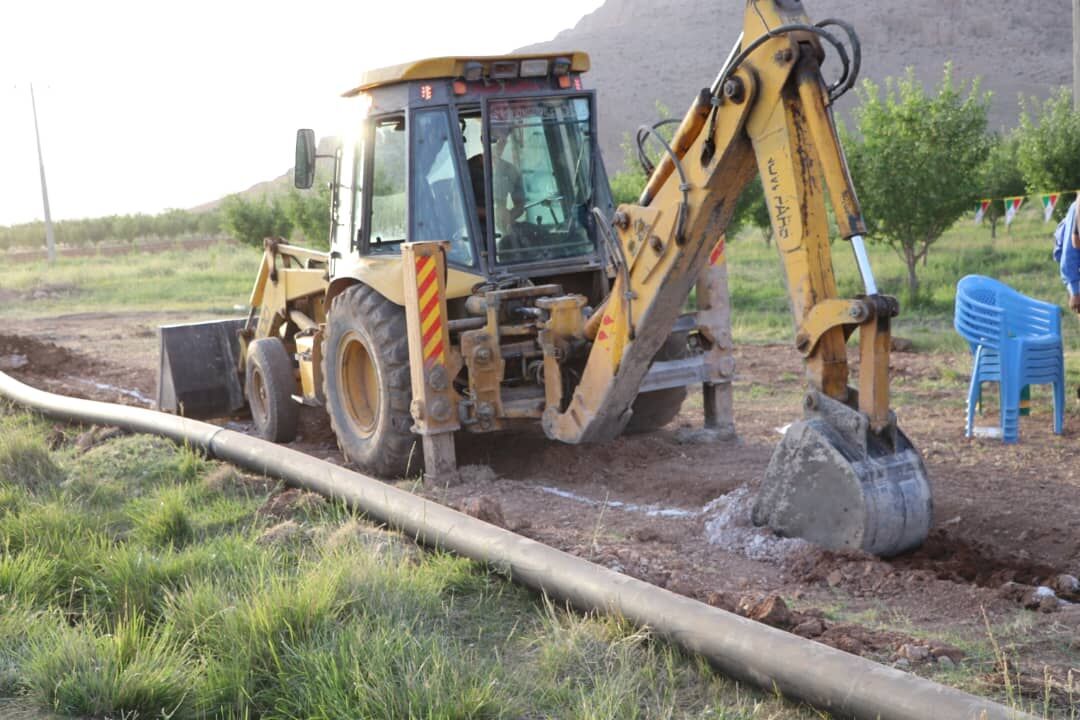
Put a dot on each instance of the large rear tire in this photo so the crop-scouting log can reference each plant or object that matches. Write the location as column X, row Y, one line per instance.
column 653, row 410
column 367, row 383
column 269, row 384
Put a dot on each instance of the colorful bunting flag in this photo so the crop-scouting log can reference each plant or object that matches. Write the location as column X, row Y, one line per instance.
column 1012, row 206
column 984, row 205
column 1049, row 202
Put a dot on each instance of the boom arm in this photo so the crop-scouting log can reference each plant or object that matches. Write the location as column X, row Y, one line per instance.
column 769, row 115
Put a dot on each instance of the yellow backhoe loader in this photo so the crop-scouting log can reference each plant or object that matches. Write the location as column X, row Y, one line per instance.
column 479, row 276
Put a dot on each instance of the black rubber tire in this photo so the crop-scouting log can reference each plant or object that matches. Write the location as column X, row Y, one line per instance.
column 653, row 410
column 366, row 335
column 269, row 384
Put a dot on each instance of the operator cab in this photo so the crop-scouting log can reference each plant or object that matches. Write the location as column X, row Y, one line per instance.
column 497, row 156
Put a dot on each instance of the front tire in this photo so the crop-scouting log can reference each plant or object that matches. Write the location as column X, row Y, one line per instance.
column 269, row 384
column 367, row 383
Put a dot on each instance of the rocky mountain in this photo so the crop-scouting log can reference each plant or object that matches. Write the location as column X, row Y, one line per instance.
column 644, row 51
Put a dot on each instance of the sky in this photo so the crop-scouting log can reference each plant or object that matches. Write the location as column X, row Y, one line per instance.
column 146, row 105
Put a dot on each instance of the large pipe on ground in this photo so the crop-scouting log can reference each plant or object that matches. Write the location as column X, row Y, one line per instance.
column 842, row 684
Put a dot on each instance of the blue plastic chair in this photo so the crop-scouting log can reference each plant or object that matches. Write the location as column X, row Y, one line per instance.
column 1016, row 341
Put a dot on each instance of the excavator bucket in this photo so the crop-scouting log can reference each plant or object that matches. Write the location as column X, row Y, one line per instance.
column 838, row 484
column 198, row 372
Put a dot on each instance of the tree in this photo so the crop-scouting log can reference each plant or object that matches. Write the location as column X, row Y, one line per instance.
column 626, row 185
column 1001, row 176
column 309, row 213
column 1049, row 145
column 250, row 221
column 916, row 161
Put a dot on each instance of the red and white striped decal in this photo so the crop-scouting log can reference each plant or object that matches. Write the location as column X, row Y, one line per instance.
column 431, row 322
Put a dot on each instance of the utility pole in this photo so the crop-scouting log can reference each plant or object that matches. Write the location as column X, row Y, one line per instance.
column 50, row 239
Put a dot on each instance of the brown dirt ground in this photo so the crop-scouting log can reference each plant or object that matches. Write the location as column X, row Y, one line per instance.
column 1002, row 513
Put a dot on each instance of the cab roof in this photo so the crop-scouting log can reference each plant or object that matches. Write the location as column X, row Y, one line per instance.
column 453, row 67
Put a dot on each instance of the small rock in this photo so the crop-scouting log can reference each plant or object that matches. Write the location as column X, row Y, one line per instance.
column 902, row 663
column 1041, row 598
column 1014, row 591
column 810, row 628
column 953, row 521
column 848, row 644
column 1023, row 536
column 1067, row 586
column 835, row 578
column 902, row 345
column 945, row 662
column 720, row 599
column 770, row 611
column 485, row 508
column 941, row 650
column 647, row 534
column 915, row 653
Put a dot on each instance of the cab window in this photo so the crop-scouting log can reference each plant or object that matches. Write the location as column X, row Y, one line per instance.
column 387, row 221
column 438, row 203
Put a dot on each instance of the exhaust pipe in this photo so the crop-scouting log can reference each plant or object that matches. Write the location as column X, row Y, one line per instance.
column 844, row 685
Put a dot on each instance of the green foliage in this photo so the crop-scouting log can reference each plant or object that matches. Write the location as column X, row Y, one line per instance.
column 252, row 221
column 916, row 161
column 1000, row 176
column 1049, row 145
column 165, row 524
column 127, row 670
column 103, row 615
column 171, row 224
column 309, row 214
column 24, row 459
column 626, row 185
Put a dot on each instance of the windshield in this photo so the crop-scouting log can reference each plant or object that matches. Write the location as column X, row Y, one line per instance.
column 541, row 178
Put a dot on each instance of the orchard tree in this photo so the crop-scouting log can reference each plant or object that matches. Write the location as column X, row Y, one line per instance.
column 1049, row 146
column 251, row 221
column 1001, row 176
column 309, row 213
column 627, row 185
column 916, row 161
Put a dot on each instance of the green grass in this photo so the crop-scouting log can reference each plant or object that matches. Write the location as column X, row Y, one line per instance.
column 1021, row 258
column 136, row 581
column 214, row 280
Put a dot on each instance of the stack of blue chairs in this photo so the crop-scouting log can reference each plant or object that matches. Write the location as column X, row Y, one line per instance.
column 1016, row 341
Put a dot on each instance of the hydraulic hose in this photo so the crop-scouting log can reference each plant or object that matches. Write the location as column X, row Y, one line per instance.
column 842, row 684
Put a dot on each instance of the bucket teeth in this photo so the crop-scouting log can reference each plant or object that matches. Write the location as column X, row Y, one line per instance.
column 837, row 484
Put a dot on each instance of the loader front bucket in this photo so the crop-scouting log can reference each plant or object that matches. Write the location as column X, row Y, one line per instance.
column 198, row 371
column 838, row 484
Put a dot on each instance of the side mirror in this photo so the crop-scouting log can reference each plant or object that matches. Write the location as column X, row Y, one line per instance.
column 304, row 168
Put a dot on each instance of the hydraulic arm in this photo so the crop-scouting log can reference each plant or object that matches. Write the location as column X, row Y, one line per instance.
column 845, row 476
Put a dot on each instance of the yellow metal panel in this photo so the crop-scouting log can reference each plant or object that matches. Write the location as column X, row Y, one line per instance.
column 452, row 67
column 384, row 274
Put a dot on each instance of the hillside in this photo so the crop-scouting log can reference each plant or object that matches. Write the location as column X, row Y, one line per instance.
column 645, row 51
